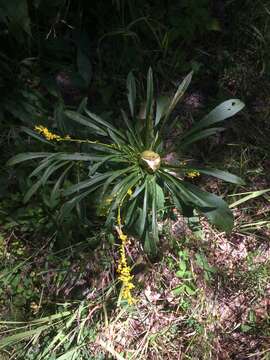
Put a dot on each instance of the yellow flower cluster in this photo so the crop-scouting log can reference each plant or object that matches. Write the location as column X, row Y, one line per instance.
column 123, row 269
column 49, row 135
column 193, row 174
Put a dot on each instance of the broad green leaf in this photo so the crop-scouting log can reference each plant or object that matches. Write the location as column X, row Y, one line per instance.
column 223, row 111
column 212, row 206
column 83, row 120
column 69, row 205
column 115, row 138
column 55, row 191
column 187, row 140
column 150, row 244
column 178, row 95
column 223, row 175
column 105, row 123
column 131, row 87
column 131, row 214
column 50, row 170
column 144, row 213
column 216, row 210
column 86, row 184
column 79, row 157
column 43, row 164
column 160, row 198
column 154, row 225
column 162, row 105
column 113, row 177
column 33, row 189
column 150, row 93
column 26, row 156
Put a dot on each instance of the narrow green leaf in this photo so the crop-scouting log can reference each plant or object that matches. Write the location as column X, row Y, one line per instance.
column 83, row 120
column 251, row 195
column 55, row 191
column 69, row 205
column 105, row 123
column 131, row 87
column 178, row 95
column 187, row 140
column 223, row 175
column 86, row 184
column 162, row 105
column 26, row 156
column 144, row 214
column 33, row 189
column 216, row 210
column 150, row 93
column 222, row 112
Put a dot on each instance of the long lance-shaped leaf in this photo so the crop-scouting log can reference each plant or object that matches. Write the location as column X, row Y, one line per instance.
column 130, row 215
column 178, row 95
column 212, row 206
column 56, row 189
column 79, row 157
column 114, row 176
column 223, row 175
column 131, row 87
column 105, row 123
column 93, row 168
column 144, row 213
column 162, row 105
column 150, row 93
column 50, row 170
column 115, row 138
column 133, row 132
column 187, row 140
column 217, row 210
column 86, row 184
column 154, row 212
column 69, row 205
column 33, row 189
column 176, row 184
column 27, row 156
column 47, row 173
column 119, row 192
column 222, row 112
column 248, row 196
column 43, row 164
column 149, row 104
column 102, row 148
column 83, row 120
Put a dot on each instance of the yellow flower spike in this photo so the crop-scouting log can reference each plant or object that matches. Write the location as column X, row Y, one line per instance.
column 47, row 134
column 193, row 174
column 123, row 270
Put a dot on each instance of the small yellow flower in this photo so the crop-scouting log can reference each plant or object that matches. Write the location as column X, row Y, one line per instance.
column 129, row 192
column 49, row 135
column 123, row 237
column 192, row 174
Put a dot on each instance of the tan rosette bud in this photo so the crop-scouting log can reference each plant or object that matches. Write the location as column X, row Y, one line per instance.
column 150, row 161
